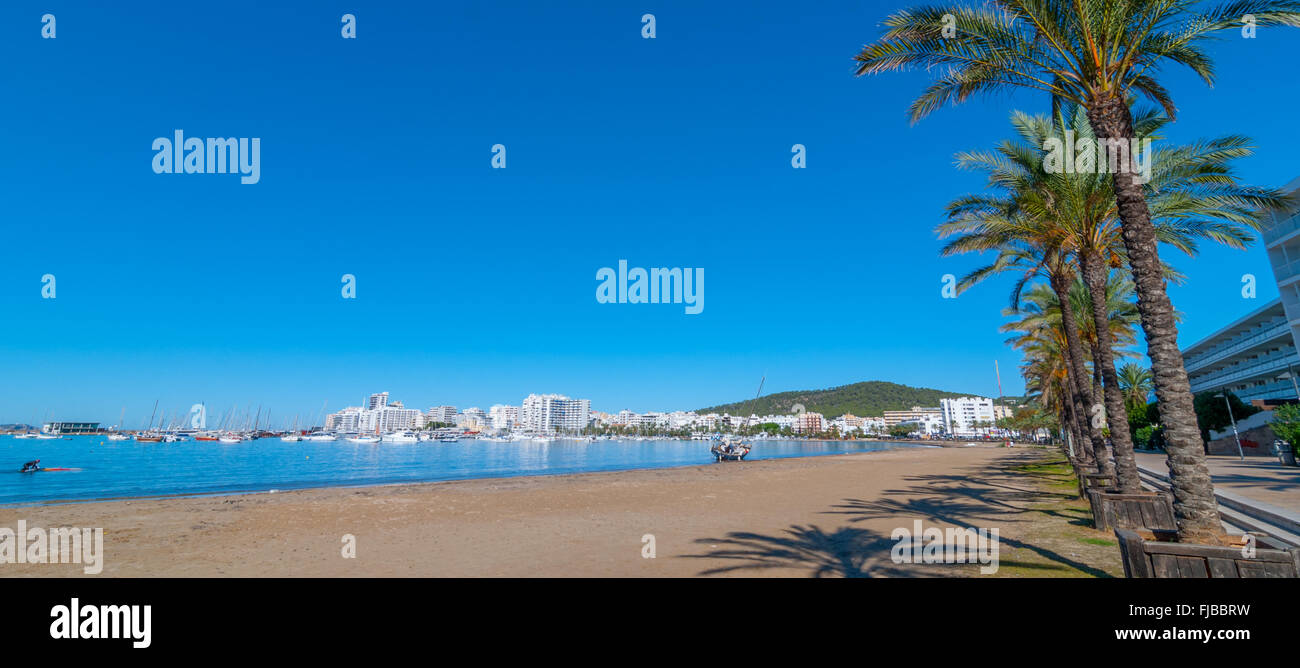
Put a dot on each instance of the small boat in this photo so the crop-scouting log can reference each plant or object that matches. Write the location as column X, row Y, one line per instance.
column 362, row 439
column 729, row 450
column 448, row 439
column 400, row 437
column 30, row 434
column 47, row 437
column 206, row 436
column 320, row 436
column 118, row 437
column 230, row 438
column 291, row 438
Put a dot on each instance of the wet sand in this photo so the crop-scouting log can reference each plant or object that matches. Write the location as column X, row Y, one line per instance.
column 814, row 516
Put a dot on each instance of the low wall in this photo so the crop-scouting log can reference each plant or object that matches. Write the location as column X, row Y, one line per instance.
column 1256, row 441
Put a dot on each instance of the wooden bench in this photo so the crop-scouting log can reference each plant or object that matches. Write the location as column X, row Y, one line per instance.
column 1117, row 510
column 1163, row 558
column 1091, row 480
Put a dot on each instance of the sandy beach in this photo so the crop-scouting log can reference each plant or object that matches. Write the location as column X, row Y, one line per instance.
column 813, row 516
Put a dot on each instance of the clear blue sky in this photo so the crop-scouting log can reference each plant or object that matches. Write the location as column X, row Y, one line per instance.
column 477, row 286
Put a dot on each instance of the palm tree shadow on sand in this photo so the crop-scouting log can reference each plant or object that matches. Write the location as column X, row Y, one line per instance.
column 968, row 501
column 847, row 552
column 983, row 497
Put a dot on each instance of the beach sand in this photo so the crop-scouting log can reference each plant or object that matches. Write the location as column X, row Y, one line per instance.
column 813, row 516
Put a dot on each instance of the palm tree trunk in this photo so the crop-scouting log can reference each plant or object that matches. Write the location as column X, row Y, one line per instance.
column 1094, row 275
column 1082, row 450
column 1194, row 505
column 1079, row 375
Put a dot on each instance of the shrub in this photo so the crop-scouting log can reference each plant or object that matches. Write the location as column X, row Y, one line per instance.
column 1286, row 424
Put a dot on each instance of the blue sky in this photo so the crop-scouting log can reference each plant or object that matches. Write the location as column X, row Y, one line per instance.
column 477, row 286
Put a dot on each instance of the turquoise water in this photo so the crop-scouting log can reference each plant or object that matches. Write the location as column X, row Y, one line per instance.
column 111, row 469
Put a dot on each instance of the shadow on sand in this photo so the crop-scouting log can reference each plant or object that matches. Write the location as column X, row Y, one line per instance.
column 981, row 497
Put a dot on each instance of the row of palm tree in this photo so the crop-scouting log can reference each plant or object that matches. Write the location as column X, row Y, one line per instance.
column 1092, row 58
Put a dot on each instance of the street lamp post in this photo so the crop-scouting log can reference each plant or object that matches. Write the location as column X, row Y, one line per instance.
column 1240, row 454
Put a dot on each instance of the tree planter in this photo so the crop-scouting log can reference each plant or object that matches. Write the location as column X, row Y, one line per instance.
column 1156, row 554
column 1140, row 510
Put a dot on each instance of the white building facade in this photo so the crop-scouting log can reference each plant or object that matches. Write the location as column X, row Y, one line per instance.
column 960, row 415
column 554, row 412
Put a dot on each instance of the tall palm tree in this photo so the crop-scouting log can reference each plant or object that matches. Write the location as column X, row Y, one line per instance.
column 1042, row 338
column 1094, row 53
column 1032, row 246
column 1192, row 195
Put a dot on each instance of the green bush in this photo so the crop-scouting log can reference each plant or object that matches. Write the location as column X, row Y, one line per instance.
column 1286, row 425
column 1148, row 436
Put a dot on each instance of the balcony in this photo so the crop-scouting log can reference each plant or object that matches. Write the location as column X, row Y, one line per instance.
column 1287, row 271
column 1282, row 389
column 1275, row 363
column 1281, row 229
column 1236, row 346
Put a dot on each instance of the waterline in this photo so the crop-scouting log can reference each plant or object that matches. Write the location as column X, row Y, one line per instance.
column 128, row 469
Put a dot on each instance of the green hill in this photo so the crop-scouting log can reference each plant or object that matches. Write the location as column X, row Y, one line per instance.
column 869, row 399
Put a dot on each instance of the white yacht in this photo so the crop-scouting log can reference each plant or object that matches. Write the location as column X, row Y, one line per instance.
column 400, row 437
column 320, row 436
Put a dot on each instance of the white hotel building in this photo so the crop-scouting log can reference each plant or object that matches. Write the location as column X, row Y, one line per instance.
column 1255, row 356
column 961, row 414
column 379, row 416
column 554, row 412
column 503, row 417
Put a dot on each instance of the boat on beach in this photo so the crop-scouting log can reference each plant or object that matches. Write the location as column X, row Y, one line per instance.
column 733, row 448
column 730, row 450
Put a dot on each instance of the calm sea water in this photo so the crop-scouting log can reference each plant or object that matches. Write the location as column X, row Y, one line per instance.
column 110, row 469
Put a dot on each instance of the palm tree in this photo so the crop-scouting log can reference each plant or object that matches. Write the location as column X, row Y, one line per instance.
column 1135, row 382
column 1094, row 53
column 1192, row 195
column 1193, row 192
column 1041, row 341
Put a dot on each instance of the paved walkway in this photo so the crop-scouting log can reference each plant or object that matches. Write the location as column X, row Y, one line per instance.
column 1261, row 479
